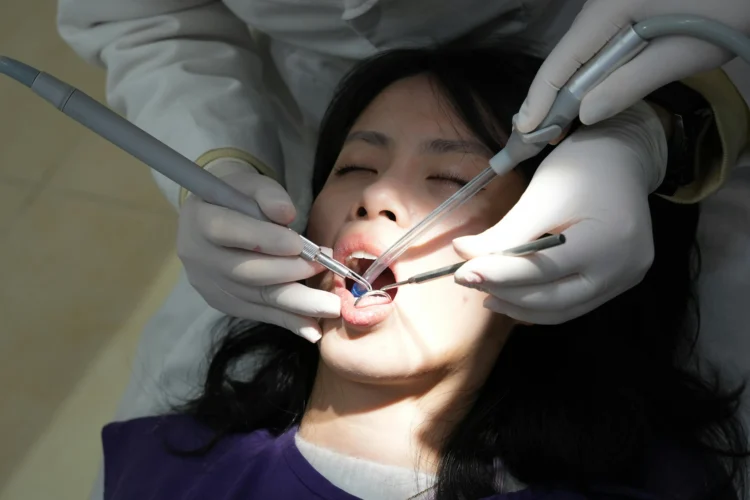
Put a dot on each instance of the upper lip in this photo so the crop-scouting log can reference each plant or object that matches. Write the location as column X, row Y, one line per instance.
column 364, row 242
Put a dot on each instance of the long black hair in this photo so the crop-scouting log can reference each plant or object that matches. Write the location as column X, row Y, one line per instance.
column 587, row 403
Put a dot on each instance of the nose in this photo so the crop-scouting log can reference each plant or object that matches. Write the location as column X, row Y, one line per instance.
column 383, row 199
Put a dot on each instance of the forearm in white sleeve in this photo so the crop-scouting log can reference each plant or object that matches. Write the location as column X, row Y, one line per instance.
column 185, row 71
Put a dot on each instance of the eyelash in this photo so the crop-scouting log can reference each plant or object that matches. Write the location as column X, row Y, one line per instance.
column 344, row 169
column 452, row 178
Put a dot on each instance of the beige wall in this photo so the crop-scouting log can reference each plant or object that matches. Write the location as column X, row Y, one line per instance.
column 86, row 256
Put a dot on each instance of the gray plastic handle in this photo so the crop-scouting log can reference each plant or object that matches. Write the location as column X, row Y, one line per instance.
column 520, row 147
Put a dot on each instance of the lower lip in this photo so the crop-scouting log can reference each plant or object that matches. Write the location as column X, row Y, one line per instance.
column 365, row 316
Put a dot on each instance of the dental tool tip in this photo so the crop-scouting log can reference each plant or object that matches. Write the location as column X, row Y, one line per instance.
column 359, row 289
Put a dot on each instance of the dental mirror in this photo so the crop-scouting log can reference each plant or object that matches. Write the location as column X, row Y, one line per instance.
column 373, row 293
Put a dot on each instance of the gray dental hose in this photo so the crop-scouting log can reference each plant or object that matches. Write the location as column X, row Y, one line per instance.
column 621, row 49
column 152, row 152
column 696, row 27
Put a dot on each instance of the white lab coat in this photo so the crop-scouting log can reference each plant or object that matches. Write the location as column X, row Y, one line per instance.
column 190, row 73
column 256, row 75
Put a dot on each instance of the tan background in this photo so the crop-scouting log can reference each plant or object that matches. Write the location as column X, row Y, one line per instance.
column 86, row 256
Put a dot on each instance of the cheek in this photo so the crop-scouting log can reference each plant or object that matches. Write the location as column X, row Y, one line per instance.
column 468, row 333
column 447, row 320
column 501, row 196
column 326, row 218
column 449, row 307
column 485, row 209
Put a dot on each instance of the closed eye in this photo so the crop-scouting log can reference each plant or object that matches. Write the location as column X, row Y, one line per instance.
column 455, row 179
column 345, row 169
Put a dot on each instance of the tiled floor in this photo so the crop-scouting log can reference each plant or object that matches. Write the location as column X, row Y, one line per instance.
column 86, row 255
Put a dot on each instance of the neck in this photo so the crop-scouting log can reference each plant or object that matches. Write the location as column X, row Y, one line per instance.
column 400, row 425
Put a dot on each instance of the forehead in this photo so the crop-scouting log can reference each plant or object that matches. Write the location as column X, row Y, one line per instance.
column 413, row 107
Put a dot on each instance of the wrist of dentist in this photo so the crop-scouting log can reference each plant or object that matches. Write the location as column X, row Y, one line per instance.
column 225, row 161
column 644, row 128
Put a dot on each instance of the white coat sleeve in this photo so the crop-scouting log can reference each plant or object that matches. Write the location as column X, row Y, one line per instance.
column 545, row 23
column 185, row 71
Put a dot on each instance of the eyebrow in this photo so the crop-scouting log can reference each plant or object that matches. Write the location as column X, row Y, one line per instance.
column 435, row 146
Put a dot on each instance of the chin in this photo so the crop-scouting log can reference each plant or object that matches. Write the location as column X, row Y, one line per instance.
column 379, row 354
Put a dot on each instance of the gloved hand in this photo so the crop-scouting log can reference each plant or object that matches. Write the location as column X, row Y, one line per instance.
column 248, row 268
column 594, row 188
column 663, row 61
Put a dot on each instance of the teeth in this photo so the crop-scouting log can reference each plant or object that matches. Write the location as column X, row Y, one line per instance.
column 362, row 255
column 357, row 261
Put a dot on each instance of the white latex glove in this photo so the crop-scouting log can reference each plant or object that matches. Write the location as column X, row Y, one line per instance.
column 663, row 61
column 249, row 268
column 594, row 188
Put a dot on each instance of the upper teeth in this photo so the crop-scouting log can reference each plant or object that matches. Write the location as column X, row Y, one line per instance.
column 362, row 255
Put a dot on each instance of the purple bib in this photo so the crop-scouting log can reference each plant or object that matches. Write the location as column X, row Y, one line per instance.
column 139, row 466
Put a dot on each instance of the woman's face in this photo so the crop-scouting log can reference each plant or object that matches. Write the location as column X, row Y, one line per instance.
column 407, row 153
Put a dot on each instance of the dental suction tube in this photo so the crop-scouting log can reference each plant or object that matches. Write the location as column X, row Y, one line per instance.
column 520, row 147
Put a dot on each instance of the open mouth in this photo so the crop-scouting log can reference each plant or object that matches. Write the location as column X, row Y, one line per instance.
column 359, row 262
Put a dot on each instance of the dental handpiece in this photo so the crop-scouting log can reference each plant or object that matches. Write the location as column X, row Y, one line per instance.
column 520, row 147
column 154, row 153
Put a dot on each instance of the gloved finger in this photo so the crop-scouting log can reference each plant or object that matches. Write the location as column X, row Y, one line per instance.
column 290, row 297
column 661, row 62
column 272, row 198
column 542, row 267
column 305, row 327
column 500, row 270
column 254, row 269
column 556, row 296
column 586, row 37
column 227, row 228
column 538, row 317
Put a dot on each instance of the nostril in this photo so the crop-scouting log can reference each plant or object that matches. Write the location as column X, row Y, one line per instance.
column 389, row 214
column 361, row 212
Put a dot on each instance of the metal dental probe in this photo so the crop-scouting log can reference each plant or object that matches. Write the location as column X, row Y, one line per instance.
column 543, row 243
column 154, row 153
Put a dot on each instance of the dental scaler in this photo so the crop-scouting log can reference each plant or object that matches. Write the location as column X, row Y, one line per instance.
column 154, row 153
